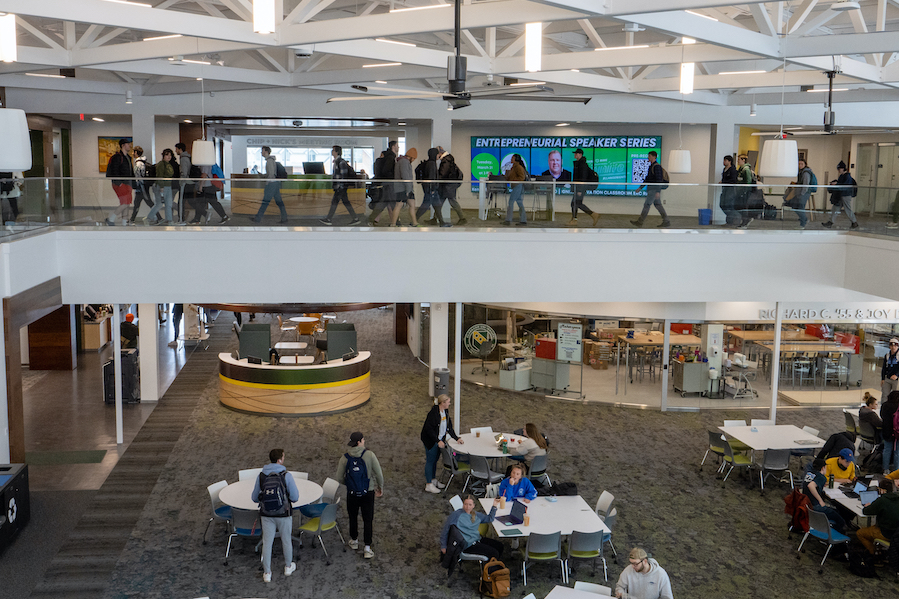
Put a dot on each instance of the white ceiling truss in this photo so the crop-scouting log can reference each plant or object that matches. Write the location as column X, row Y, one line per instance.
column 324, row 44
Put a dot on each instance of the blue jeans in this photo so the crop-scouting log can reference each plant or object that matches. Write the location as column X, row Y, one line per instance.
column 163, row 196
column 836, row 520
column 890, row 455
column 272, row 190
column 284, row 526
column 515, row 197
column 800, row 212
column 432, row 455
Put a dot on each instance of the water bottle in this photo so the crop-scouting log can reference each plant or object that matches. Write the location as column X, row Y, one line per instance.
column 830, row 482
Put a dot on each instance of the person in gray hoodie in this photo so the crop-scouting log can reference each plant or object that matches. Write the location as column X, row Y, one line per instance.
column 187, row 187
column 644, row 578
column 281, row 524
column 363, row 500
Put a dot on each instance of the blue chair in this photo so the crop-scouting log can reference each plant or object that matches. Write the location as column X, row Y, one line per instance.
column 244, row 523
column 220, row 511
column 819, row 527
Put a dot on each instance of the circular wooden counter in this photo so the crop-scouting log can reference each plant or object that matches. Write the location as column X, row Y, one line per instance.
column 310, row 390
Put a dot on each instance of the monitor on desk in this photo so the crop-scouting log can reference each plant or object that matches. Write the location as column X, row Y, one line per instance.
column 314, row 168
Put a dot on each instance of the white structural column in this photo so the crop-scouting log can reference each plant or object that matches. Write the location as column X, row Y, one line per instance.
column 439, row 339
column 775, row 362
column 457, row 380
column 665, row 362
column 143, row 131
column 725, row 138
column 149, row 352
column 117, row 362
column 4, row 408
column 442, row 130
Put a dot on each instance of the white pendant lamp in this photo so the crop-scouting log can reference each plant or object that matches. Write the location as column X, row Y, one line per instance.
column 264, row 16
column 780, row 158
column 203, row 152
column 15, row 151
column 679, row 162
column 8, row 51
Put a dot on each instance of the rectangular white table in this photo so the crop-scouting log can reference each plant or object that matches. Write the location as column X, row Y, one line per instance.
column 560, row 592
column 566, row 514
column 851, row 503
column 778, row 436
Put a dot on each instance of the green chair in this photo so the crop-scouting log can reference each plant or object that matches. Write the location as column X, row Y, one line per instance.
column 316, row 526
column 737, row 446
column 542, row 548
column 716, row 446
column 738, row 460
column 587, row 545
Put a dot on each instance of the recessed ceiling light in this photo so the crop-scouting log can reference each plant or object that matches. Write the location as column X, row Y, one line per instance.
column 401, row 123
column 420, row 7
column 575, row 70
column 98, row 119
column 188, row 121
column 741, row 72
column 387, row 41
column 527, row 83
column 45, row 75
column 381, row 82
column 381, row 64
column 562, row 124
column 701, row 15
column 836, row 89
column 620, row 48
column 162, row 37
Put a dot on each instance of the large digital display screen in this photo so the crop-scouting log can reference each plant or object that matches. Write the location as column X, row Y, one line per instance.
column 620, row 161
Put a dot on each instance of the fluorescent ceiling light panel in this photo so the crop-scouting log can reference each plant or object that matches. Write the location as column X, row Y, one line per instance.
column 188, row 121
column 575, row 70
column 620, row 48
column 264, row 16
column 8, row 50
column 382, row 64
column 387, row 41
column 420, row 7
column 381, row 82
column 836, row 89
column 195, row 61
column 687, row 40
column 741, row 72
column 162, row 37
column 686, row 77
column 45, row 75
column 701, row 15
column 527, row 83
column 98, row 119
column 563, row 124
column 533, row 47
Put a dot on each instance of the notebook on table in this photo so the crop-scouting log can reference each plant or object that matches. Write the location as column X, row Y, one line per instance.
column 516, row 516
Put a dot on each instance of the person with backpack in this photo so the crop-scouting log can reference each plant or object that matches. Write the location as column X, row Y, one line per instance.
column 807, row 184
column 841, row 196
column 643, row 578
column 275, row 491
column 468, row 521
column 729, row 193
column 207, row 195
column 426, row 173
column 813, row 486
column 516, row 174
column 141, row 191
column 162, row 189
column 655, row 181
column 10, row 192
column 186, row 184
column 339, row 174
column 272, row 187
column 450, row 172
column 582, row 173
column 360, row 470
column 889, row 413
column 121, row 171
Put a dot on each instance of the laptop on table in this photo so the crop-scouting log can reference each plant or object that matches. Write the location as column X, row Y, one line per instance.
column 866, row 497
column 516, row 516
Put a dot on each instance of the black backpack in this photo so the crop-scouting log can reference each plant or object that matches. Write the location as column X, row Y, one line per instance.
column 592, row 177
column 151, row 171
column 195, row 172
column 356, row 477
column 273, row 499
column 860, row 564
column 280, row 171
column 6, row 182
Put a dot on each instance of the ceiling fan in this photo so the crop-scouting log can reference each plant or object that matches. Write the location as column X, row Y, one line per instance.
column 829, row 118
column 457, row 95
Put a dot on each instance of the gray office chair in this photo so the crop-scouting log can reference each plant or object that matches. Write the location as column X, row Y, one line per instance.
column 484, row 352
column 480, row 470
column 776, row 461
column 544, row 547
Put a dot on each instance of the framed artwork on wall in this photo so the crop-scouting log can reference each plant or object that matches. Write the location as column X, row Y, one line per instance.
column 803, row 155
column 106, row 147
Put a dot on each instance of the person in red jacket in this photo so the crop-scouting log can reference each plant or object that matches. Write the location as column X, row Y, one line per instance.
column 121, row 171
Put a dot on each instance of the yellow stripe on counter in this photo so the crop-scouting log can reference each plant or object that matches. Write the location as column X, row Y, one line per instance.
column 295, row 387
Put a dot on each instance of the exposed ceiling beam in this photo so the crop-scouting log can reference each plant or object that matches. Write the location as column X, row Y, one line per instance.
column 38, row 33
column 379, row 51
column 182, row 46
column 801, row 14
column 762, row 19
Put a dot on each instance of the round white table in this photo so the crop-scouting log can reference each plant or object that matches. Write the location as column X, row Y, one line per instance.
column 302, row 319
column 485, row 445
column 238, row 494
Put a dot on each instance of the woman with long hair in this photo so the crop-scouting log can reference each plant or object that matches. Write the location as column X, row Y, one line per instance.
column 437, row 426
column 468, row 521
column 531, row 446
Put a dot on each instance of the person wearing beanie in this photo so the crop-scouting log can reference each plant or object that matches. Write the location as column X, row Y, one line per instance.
column 360, row 471
column 841, row 197
column 129, row 332
column 643, row 578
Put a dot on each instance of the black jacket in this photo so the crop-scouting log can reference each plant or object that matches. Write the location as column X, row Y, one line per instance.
column 580, row 170
column 455, row 544
column 836, row 443
column 431, row 428
column 120, row 169
column 450, row 172
column 729, row 175
column 887, row 409
column 888, row 370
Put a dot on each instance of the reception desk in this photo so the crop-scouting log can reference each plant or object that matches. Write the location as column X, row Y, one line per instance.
column 294, row 390
column 304, row 195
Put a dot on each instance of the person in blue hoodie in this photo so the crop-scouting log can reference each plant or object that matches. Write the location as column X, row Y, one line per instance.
column 282, row 524
column 517, row 486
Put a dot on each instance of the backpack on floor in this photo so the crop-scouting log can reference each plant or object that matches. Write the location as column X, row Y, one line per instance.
column 495, row 580
column 564, row 489
column 273, row 500
column 356, row 477
column 861, row 564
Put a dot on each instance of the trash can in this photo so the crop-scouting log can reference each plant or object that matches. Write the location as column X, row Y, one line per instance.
column 441, row 381
column 705, row 216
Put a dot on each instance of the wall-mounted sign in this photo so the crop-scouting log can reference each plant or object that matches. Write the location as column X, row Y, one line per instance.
column 882, row 314
column 569, row 342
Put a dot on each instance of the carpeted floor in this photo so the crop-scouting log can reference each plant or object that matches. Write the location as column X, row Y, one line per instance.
column 714, row 541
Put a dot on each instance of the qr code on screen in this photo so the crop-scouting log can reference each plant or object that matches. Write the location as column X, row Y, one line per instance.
column 639, row 168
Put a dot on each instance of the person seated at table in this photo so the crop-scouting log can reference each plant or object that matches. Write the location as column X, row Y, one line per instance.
column 841, row 467
column 643, row 578
column 813, row 487
column 516, row 486
column 468, row 521
column 886, row 508
column 532, row 445
column 836, row 443
column 868, row 413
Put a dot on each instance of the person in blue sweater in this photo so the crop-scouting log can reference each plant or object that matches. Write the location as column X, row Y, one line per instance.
column 282, row 523
column 516, row 486
column 468, row 521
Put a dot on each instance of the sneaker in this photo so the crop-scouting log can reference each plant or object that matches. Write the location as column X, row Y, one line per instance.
column 354, row 544
column 801, row 226
column 109, row 222
column 225, row 219
column 637, row 223
column 853, row 226
column 572, row 223
column 253, row 219
column 827, row 225
column 746, row 224
column 266, row 577
column 430, row 488
column 355, row 221
column 521, row 224
column 595, row 219
column 325, row 221
column 665, row 224
column 507, row 223
column 892, row 225
column 438, row 484
column 288, row 570
column 368, row 553
column 445, row 225
column 462, row 221
column 173, row 343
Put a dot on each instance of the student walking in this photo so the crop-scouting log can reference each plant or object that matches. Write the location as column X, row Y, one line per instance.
column 272, row 188
column 339, row 175
column 516, row 175
column 841, row 197
column 360, row 471
column 654, row 177
column 581, row 175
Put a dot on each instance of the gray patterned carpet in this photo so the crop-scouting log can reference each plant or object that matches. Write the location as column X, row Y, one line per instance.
column 714, row 541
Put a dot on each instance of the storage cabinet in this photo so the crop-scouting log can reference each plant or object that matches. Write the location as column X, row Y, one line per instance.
column 549, row 374
column 690, row 377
